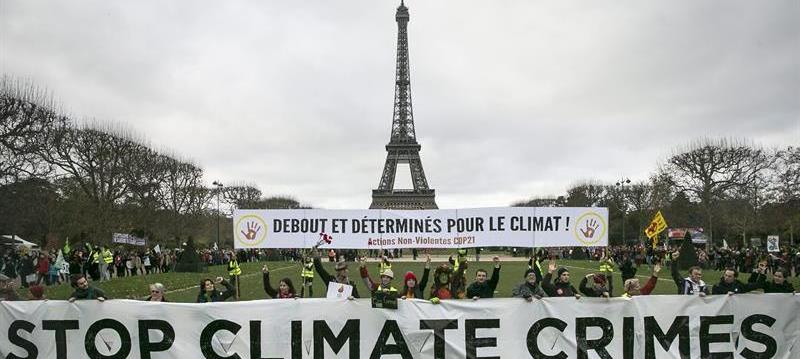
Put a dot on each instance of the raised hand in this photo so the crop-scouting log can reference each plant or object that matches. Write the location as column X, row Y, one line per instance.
column 496, row 261
column 656, row 269
column 551, row 267
column 265, row 269
column 427, row 261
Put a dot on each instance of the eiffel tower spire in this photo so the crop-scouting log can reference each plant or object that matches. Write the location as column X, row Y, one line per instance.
column 403, row 146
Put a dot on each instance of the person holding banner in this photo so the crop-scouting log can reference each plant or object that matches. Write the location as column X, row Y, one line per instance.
column 779, row 283
column 729, row 284
column 342, row 275
column 446, row 283
column 285, row 286
column 691, row 285
column 633, row 287
column 561, row 287
column 482, row 288
column 385, row 285
column 530, row 288
column 157, row 291
column 209, row 292
column 83, row 291
column 602, row 285
column 413, row 289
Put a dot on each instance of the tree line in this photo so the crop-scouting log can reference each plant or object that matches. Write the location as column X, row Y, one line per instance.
column 61, row 178
column 733, row 189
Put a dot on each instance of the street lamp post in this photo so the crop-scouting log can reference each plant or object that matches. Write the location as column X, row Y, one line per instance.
column 621, row 184
column 219, row 186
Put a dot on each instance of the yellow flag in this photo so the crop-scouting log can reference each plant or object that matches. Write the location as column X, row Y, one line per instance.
column 655, row 227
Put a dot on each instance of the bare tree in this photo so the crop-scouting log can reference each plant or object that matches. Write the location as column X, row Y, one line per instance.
column 708, row 171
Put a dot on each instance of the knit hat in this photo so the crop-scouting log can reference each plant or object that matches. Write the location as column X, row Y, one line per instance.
column 561, row 271
column 409, row 275
column 529, row 271
column 37, row 291
column 388, row 273
column 600, row 278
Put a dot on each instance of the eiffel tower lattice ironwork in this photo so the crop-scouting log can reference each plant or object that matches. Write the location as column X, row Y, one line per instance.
column 403, row 147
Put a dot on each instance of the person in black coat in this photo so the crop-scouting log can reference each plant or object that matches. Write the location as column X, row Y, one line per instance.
column 779, row 284
column 342, row 275
column 483, row 288
column 209, row 292
column 728, row 284
column 413, row 289
column 560, row 287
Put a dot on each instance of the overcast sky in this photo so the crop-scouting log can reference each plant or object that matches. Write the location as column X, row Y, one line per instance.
column 512, row 99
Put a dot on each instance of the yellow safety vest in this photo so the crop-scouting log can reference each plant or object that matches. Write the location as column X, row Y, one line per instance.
column 233, row 268
column 95, row 257
column 606, row 266
column 308, row 271
column 108, row 257
column 456, row 263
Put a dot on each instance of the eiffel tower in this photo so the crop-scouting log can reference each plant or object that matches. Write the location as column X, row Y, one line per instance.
column 403, row 146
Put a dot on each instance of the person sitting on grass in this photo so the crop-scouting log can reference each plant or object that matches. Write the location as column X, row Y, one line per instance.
column 779, row 283
column 530, row 288
column 483, row 288
column 157, row 292
column 285, row 286
column 446, row 283
column 560, row 287
column 83, row 291
column 209, row 292
column 691, row 285
column 729, row 284
column 413, row 289
column 634, row 288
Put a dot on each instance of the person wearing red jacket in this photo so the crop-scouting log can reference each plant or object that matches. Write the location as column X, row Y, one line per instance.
column 634, row 288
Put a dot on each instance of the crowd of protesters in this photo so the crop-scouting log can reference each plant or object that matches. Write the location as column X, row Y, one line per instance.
column 543, row 277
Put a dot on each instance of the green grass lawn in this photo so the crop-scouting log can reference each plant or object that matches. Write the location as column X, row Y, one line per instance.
column 182, row 287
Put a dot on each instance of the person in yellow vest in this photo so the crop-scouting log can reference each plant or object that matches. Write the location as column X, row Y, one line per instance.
column 307, row 274
column 460, row 258
column 234, row 271
column 384, row 285
column 94, row 258
column 108, row 258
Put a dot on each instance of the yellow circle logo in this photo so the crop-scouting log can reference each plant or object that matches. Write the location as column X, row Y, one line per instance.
column 251, row 230
column 590, row 228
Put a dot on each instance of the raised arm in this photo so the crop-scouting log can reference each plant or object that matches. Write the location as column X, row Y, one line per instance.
column 267, row 286
column 323, row 274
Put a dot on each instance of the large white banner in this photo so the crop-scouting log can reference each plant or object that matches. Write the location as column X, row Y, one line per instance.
column 740, row 326
column 449, row 228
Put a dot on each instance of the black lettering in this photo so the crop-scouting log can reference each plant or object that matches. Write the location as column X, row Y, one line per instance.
column 598, row 345
column 758, row 337
column 473, row 343
column 94, row 329
column 438, row 326
column 350, row 333
column 276, row 225
column 679, row 328
column 255, row 340
column 14, row 338
column 533, row 336
column 707, row 338
column 628, row 335
column 297, row 339
column 146, row 346
column 399, row 347
column 208, row 333
column 61, row 327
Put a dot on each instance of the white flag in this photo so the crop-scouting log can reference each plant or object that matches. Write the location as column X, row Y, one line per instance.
column 215, row 246
column 157, row 248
